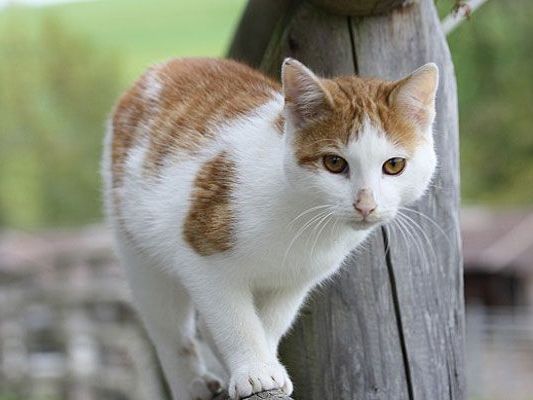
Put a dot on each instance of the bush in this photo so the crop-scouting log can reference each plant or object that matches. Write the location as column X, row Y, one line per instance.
column 56, row 90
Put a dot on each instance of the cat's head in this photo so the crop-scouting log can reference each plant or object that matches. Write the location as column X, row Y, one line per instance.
column 362, row 146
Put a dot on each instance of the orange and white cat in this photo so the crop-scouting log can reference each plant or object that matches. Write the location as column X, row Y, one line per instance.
column 233, row 196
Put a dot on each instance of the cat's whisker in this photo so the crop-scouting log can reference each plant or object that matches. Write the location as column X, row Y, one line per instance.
column 335, row 232
column 324, row 224
column 307, row 212
column 300, row 232
column 389, row 234
column 327, row 220
column 415, row 231
column 394, row 225
column 413, row 235
column 402, row 235
column 311, row 221
column 431, row 220
column 425, row 236
column 317, row 226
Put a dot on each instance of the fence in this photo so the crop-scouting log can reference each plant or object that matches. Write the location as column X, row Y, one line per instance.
column 66, row 327
column 67, row 330
column 499, row 353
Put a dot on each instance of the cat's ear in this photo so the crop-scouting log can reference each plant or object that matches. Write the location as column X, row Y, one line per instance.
column 306, row 99
column 414, row 95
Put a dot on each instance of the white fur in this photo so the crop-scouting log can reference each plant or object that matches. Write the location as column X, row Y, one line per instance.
column 248, row 296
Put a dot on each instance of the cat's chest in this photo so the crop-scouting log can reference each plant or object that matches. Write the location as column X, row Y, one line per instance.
column 286, row 260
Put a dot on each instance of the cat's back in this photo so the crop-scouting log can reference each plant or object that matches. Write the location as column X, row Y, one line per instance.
column 177, row 137
column 175, row 108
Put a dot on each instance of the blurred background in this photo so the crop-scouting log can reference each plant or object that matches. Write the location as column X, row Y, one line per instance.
column 66, row 328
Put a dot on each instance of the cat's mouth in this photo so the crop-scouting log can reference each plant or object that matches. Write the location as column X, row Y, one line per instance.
column 363, row 224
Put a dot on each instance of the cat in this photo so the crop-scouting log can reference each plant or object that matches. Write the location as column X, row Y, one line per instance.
column 232, row 196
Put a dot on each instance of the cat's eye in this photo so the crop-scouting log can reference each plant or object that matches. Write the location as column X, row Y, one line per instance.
column 394, row 166
column 335, row 164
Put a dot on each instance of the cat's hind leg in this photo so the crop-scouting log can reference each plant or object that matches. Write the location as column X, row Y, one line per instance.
column 167, row 312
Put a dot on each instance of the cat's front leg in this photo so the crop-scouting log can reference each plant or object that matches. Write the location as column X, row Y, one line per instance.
column 229, row 313
column 277, row 309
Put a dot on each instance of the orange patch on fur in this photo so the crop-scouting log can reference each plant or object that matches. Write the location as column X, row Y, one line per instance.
column 176, row 105
column 129, row 112
column 354, row 101
column 279, row 123
column 198, row 94
column 209, row 225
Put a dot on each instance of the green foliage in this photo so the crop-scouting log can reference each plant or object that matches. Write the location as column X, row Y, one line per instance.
column 145, row 32
column 493, row 55
column 59, row 76
column 62, row 67
column 8, row 397
column 55, row 92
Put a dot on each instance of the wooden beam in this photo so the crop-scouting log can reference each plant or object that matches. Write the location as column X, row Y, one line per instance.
column 255, row 28
column 361, row 7
column 390, row 326
column 270, row 395
column 427, row 278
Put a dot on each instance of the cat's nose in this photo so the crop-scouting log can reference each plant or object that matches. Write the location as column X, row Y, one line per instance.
column 365, row 203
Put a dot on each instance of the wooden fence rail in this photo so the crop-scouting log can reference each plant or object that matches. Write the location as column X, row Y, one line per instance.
column 67, row 329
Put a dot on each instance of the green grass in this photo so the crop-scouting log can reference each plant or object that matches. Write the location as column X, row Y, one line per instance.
column 61, row 69
column 143, row 32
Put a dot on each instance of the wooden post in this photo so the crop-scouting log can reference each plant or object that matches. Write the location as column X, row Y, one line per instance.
column 391, row 324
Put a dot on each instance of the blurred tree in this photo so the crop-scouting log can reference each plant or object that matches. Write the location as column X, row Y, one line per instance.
column 493, row 55
column 56, row 90
column 57, row 87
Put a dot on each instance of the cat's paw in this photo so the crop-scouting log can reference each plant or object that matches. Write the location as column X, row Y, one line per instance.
column 258, row 377
column 205, row 387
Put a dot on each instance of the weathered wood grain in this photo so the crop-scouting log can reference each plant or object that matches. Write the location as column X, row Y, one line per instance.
column 346, row 344
column 428, row 274
column 314, row 37
column 390, row 326
column 361, row 358
column 255, row 29
column 270, row 395
column 361, row 7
